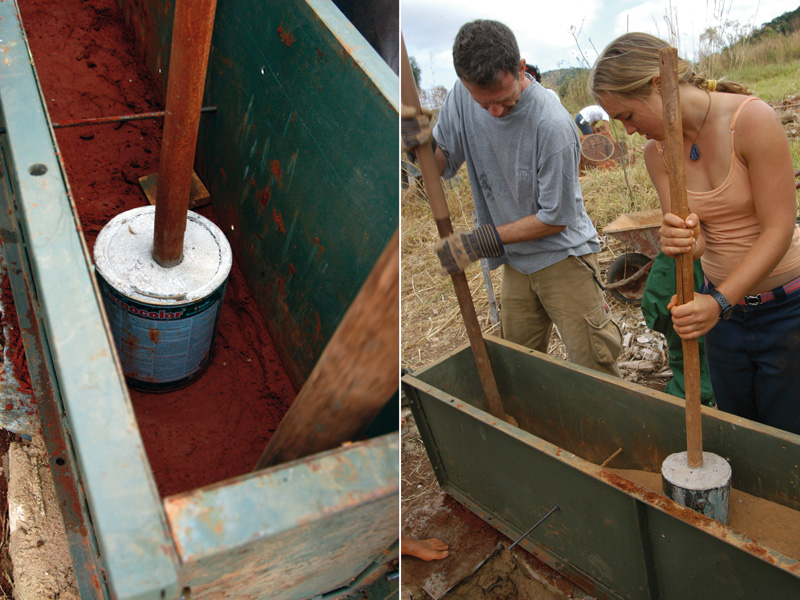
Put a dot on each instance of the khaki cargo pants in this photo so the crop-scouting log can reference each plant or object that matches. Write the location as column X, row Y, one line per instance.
column 565, row 294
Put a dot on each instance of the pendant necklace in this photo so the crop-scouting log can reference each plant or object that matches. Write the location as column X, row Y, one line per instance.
column 694, row 154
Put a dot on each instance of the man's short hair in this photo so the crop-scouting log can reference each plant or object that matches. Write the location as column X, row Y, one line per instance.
column 484, row 51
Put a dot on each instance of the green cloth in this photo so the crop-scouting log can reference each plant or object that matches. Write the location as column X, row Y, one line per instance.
column 658, row 290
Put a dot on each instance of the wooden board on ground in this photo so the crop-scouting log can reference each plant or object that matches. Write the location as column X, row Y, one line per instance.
column 198, row 194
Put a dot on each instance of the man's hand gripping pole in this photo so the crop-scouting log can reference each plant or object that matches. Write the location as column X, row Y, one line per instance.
column 436, row 198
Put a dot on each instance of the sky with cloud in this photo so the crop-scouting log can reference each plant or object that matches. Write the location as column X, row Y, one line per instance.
column 556, row 34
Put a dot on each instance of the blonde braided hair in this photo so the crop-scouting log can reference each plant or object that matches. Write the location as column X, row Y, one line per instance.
column 627, row 66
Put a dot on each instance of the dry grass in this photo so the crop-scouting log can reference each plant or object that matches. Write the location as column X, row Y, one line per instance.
column 417, row 478
column 7, row 581
column 430, row 317
column 607, row 193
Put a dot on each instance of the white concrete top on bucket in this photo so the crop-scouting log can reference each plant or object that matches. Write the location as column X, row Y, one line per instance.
column 123, row 255
column 715, row 472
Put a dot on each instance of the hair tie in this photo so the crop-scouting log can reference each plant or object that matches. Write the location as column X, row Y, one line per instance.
column 711, row 85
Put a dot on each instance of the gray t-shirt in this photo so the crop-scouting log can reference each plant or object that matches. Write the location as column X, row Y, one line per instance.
column 525, row 163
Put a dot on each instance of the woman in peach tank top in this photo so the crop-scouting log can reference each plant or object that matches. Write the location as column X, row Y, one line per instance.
column 742, row 225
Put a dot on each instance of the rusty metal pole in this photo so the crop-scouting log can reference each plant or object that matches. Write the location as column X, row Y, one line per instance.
column 679, row 204
column 191, row 42
column 441, row 214
column 354, row 377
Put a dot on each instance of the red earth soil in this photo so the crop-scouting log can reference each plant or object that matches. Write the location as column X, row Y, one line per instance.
column 87, row 64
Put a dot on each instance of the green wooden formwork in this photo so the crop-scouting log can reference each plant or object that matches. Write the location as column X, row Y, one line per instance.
column 301, row 156
column 336, row 512
column 611, row 536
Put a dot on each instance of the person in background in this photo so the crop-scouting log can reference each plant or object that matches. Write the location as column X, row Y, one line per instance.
column 593, row 119
column 534, row 71
column 522, row 153
column 742, row 223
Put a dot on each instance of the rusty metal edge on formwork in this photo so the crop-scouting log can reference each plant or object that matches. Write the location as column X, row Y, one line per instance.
column 18, row 412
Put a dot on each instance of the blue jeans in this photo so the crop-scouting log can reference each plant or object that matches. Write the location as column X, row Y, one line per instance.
column 583, row 125
column 754, row 362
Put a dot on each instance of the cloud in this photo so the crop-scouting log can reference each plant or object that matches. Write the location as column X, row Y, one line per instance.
column 542, row 30
column 546, row 30
column 688, row 19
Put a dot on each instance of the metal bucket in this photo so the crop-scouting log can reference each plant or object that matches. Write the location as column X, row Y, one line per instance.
column 163, row 320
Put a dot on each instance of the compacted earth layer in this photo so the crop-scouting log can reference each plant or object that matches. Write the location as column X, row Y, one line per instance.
column 218, row 426
column 771, row 524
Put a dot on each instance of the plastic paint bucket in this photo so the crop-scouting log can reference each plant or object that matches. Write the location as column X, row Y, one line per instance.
column 163, row 320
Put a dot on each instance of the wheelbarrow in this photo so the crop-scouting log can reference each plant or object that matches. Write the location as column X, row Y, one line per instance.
column 627, row 275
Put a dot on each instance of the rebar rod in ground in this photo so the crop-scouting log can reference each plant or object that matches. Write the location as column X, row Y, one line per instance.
column 159, row 114
column 436, row 198
column 679, row 204
column 191, row 41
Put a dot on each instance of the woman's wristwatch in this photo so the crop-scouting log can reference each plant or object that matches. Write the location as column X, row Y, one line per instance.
column 727, row 309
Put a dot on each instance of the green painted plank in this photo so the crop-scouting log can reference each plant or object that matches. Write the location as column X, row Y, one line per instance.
column 513, row 480
column 592, row 415
column 694, row 565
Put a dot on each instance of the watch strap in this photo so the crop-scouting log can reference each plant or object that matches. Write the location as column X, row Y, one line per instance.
column 725, row 306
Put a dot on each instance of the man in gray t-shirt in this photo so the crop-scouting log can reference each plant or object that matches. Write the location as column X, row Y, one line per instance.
column 522, row 153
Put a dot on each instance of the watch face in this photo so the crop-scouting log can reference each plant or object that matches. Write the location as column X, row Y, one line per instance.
column 726, row 314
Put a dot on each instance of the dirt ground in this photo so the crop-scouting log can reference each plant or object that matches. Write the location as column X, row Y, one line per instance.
column 42, row 567
column 6, row 568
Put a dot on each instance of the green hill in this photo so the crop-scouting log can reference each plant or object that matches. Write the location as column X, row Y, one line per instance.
column 558, row 77
column 784, row 24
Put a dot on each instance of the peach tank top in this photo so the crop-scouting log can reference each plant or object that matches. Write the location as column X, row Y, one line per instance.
column 729, row 221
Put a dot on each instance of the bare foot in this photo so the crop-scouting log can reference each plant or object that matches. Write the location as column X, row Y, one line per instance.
column 432, row 549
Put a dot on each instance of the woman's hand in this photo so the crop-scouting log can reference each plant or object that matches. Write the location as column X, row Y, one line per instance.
column 695, row 318
column 679, row 236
